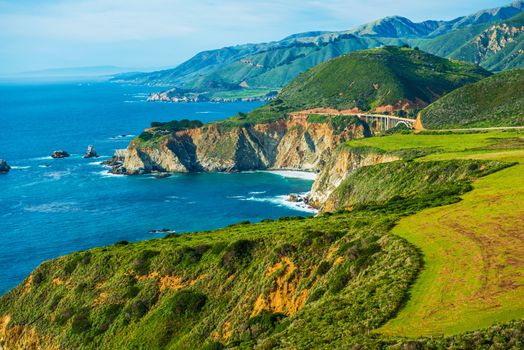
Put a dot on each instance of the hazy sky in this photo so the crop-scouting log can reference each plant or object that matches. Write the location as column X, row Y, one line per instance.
column 39, row 34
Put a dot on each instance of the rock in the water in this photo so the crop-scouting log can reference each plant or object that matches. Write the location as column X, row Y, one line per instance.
column 4, row 167
column 60, row 154
column 91, row 152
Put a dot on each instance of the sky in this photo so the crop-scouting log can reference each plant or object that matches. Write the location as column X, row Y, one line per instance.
column 43, row 34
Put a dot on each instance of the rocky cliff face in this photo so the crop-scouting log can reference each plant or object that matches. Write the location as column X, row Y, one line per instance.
column 294, row 143
column 344, row 162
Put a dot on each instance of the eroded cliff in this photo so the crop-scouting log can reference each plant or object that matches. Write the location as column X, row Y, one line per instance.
column 293, row 143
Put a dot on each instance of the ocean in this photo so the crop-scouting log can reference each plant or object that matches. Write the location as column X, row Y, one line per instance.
column 51, row 207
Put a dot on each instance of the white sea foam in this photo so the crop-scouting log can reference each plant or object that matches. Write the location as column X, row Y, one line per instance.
column 95, row 163
column 42, row 158
column 257, row 192
column 236, row 197
column 21, row 167
column 295, row 174
column 206, row 112
column 121, row 137
column 53, row 207
column 282, row 201
column 57, row 175
column 105, row 173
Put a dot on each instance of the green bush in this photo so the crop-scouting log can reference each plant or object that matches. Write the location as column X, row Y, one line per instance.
column 187, row 302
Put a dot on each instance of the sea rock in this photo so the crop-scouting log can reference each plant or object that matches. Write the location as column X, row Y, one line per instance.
column 60, row 154
column 164, row 230
column 91, row 152
column 4, row 167
column 117, row 162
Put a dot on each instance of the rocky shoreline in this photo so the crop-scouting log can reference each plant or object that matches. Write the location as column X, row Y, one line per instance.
column 203, row 97
column 293, row 144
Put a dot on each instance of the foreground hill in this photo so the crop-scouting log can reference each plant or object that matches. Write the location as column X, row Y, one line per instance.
column 495, row 101
column 330, row 282
column 256, row 69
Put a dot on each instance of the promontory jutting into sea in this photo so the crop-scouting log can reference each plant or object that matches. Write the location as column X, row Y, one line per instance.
column 336, row 189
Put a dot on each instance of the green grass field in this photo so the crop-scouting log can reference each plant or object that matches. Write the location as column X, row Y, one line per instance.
column 444, row 142
column 473, row 275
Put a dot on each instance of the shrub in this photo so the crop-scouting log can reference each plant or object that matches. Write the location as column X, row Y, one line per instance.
column 316, row 295
column 178, row 125
column 237, row 253
column 188, row 302
column 141, row 263
column 264, row 322
column 340, row 281
column 81, row 323
column 323, row 268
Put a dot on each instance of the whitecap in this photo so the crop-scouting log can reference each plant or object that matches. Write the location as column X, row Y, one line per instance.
column 236, row 197
column 207, row 112
column 42, row 158
column 106, row 173
column 21, row 167
column 53, row 207
column 257, row 192
column 282, row 201
column 57, row 175
column 295, row 174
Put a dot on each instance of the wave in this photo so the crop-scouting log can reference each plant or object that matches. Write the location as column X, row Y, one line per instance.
column 20, row 167
column 42, row 158
column 295, row 174
column 282, row 201
column 53, row 207
column 257, row 192
column 121, row 137
column 57, row 175
column 105, row 173
column 207, row 112
column 236, row 197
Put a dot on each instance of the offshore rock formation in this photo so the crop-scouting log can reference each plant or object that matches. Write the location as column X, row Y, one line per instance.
column 60, row 154
column 91, row 152
column 293, row 143
column 4, row 167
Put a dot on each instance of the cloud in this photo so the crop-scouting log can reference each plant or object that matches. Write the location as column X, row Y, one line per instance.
column 41, row 33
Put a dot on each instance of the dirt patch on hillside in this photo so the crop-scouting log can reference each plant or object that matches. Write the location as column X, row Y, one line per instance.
column 283, row 297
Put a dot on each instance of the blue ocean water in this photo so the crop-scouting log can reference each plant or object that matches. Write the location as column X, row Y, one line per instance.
column 50, row 207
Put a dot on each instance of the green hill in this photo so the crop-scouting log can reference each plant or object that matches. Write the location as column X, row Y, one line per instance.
column 495, row 46
column 495, row 101
column 404, row 78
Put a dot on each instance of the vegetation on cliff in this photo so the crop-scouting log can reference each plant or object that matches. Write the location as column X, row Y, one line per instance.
column 495, row 101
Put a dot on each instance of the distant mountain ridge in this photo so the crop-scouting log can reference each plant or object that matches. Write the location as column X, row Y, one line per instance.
column 272, row 65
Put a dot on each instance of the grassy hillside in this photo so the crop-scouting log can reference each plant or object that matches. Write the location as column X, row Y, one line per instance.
column 333, row 281
column 495, row 101
column 402, row 77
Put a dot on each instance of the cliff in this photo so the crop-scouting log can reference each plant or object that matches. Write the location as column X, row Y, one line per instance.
column 339, row 167
column 293, row 143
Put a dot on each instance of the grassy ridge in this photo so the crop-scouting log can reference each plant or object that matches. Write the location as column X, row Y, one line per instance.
column 366, row 80
column 494, row 101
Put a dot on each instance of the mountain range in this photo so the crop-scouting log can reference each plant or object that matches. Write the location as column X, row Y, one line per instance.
column 492, row 38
